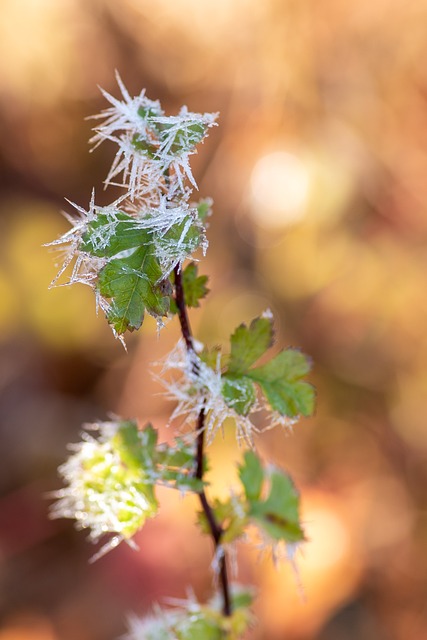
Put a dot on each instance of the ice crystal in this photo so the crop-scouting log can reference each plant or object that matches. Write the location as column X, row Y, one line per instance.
column 199, row 388
column 86, row 265
column 154, row 149
column 103, row 494
column 176, row 230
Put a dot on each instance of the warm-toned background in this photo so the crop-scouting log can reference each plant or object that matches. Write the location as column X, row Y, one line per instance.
column 319, row 175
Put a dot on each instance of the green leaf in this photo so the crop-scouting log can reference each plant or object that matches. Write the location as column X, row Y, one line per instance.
column 112, row 232
column 137, row 448
column 248, row 344
column 279, row 513
column 194, row 287
column 163, row 463
column 251, row 475
column 280, row 381
column 239, row 393
column 133, row 284
column 204, row 208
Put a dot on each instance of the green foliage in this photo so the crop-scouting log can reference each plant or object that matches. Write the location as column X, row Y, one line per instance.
column 132, row 281
column 133, row 285
column 269, row 500
column 278, row 513
column 109, row 233
column 248, row 344
column 239, row 393
column 279, row 379
column 172, row 465
column 194, row 287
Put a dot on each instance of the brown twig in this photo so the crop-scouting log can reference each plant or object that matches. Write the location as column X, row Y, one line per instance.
column 215, row 528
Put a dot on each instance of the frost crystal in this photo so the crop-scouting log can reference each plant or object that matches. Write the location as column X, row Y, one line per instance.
column 103, row 493
column 85, row 267
column 154, row 149
column 176, row 230
column 200, row 388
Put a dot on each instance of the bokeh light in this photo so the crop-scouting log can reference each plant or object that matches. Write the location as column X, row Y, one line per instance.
column 280, row 188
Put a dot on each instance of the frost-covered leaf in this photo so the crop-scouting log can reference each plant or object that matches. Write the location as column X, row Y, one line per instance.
column 239, row 393
column 107, row 489
column 280, row 380
column 134, row 285
column 110, row 479
column 248, row 344
column 178, row 243
column 181, row 134
column 111, row 232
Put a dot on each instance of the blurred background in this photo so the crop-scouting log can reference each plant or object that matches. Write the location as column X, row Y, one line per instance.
column 318, row 171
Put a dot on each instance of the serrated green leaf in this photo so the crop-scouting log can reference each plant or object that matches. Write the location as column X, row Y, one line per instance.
column 279, row 513
column 280, row 381
column 137, row 448
column 194, row 287
column 248, row 344
column 239, row 393
column 110, row 233
column 133, row 284
column 291, row 363
column 251, row 475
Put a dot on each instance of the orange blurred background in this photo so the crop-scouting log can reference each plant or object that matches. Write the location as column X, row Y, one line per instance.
column 318, row 172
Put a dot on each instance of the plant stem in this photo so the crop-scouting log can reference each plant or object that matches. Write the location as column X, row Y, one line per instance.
column 215, row 528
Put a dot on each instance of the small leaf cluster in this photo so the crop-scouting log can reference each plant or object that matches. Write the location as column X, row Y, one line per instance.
column 280, row 379
column 268, row 499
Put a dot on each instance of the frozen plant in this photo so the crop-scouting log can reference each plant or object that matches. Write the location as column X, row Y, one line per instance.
column 136, row 254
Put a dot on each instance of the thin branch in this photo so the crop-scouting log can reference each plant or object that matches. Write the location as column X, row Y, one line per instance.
column 215, row 528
